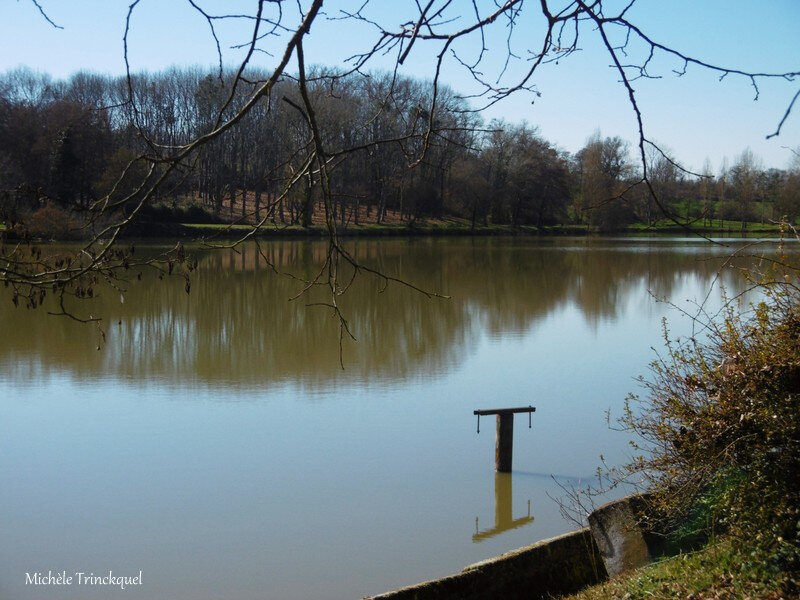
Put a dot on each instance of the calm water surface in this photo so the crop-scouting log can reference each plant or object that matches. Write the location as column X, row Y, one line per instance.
column 214, row 442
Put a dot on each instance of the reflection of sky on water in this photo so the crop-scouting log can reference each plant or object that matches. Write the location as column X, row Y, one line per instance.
column 216, row 444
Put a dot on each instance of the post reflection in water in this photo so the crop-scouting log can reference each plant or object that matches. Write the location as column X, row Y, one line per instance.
column 503, row 510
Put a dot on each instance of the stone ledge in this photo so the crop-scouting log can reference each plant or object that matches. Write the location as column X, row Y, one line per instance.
column 623, row 543
column 613, row 543
column 558, row 565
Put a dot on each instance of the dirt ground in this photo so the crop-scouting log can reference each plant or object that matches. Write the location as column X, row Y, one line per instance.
column 391, row 217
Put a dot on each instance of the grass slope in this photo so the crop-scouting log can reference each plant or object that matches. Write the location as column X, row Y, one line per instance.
column 725, row 569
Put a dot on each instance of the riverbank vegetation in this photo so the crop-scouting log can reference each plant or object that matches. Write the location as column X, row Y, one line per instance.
column 64, row 144
column 723, row 569
column 717, row 448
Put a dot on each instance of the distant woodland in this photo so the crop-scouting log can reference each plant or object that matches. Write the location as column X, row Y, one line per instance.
column 67, row 145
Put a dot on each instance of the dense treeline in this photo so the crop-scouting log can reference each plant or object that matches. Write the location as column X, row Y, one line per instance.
column 64, row 145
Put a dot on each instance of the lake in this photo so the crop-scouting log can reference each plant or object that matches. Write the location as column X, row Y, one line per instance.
column 214, row 441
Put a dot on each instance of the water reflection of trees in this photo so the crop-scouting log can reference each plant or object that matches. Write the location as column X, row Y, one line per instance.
column 238, row 327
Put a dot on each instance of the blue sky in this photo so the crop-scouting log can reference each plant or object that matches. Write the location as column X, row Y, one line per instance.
column 695, row 116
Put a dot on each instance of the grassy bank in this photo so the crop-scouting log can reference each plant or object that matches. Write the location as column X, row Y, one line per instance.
column 372, row 230
column 160, row 223
column 717, row 226
column 234, row 231
column 724, row 569
column 445, row 228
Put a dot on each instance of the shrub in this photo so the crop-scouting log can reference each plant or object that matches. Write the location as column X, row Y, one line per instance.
column 162, row 213
column 720, row 424
column 52, row 222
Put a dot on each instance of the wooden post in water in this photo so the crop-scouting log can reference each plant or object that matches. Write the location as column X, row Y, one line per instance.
column 504, row 443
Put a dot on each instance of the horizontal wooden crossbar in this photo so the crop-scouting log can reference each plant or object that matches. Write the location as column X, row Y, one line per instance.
column 505, row 411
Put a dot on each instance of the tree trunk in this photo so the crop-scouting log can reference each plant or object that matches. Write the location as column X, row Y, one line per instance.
column 308, row 204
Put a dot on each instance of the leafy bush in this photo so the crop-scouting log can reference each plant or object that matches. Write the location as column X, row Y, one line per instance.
column 720, row 425
column 51, row 222
column 162, row 213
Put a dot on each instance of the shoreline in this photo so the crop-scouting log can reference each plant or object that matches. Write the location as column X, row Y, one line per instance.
column 457, row 229
column 200, row 231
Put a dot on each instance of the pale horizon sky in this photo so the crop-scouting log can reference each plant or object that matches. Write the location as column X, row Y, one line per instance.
column 694, row 116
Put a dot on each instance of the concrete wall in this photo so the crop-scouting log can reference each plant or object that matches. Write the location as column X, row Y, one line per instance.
column 560, row 565
column 616, row 531
column 620, row 534
column 614, row 543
